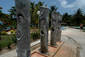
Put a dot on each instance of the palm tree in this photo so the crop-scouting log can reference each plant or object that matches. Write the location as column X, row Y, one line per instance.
column 78, row 17
column 13, row 12
column 12, row 18
column 34, row 15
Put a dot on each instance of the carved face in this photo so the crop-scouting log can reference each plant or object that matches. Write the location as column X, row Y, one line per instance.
column 18, row 35
column 19, row 28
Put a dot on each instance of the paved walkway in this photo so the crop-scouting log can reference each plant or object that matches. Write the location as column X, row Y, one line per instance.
column 78, row 38
column 67, row 50
column 13, row 52
column 74, row 37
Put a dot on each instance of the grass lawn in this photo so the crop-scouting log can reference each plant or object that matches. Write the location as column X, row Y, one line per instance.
column 84, row 30
column 7, row 40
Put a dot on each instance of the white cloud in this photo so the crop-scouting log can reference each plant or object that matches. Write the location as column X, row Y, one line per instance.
column 64, row 3
column 75, row 4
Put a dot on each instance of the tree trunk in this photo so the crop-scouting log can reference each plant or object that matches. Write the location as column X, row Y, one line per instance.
column 23, row 28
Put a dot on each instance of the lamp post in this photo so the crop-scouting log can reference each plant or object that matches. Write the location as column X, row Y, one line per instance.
column 38, row 12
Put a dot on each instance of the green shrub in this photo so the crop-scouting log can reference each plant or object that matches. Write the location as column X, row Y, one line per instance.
column 0, row 47
column 35, row 35
column 14, row 39
column 3, row 33
column 7, row 40
column 9, row 43
column 13, row 31
column 83, row 30
column 3, row 43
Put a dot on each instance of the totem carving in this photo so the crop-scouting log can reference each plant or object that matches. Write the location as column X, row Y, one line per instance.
column 23, row 28
column 44, row 14
column 54, row 28
column 59, row 27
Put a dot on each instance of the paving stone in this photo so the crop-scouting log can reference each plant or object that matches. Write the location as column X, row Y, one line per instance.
column 66, row 51
column 36, row 54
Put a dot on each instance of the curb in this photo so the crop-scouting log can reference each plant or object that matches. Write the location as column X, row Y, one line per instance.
column 58, row 48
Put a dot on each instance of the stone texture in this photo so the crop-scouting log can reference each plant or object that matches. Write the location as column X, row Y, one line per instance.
column 59, row 27
column 71, row 44
column 59, row 35
column 44, row 14
column 51, row 51
column 66, row 51
column 23, row 28
column 36, row 54
column 54, row 28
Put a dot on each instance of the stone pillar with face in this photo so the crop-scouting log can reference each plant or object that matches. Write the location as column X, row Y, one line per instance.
column 43, row 23
column 23, row 28
column 54, row 28
column 59, row 27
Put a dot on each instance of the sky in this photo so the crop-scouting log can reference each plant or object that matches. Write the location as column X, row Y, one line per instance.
column 69, row 6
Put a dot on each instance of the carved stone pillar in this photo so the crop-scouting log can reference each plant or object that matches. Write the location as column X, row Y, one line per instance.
column 44, row 14
column 54, row 28
column 23, row 28
column 59, row 27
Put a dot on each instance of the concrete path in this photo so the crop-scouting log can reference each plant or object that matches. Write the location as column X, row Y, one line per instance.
column 71, row 36
column 13, row 52
column 66, row 50
column 78, row 38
